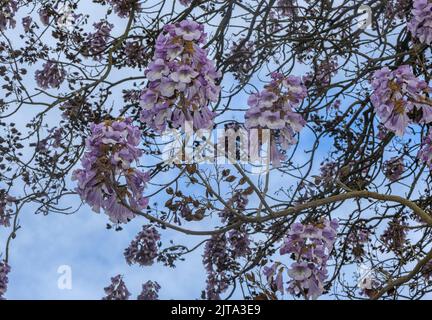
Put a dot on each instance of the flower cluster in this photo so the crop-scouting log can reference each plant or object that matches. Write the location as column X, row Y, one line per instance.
column 328, row 173
column 276, row 283
column 427, row 270
column 241, row 58
column 7, row 14
column 149, row 291
column 286, row 7
column 124, row 7
column 239, row 242
column 397, row 8
column 182, row 80
column 5, row 213
column 108, row 180
column 45, row 14
column 4, row 271
column 425, row 154
column 134, row 53
column 357, row 239
column 97, row 42
column 216, row 260
column 144, row 248
column 323, row 73
column 310, row 245
column 420, row 25
column 397, row 96
column 52, row 75
column 394, row 237
column 26, row 23
column 394, row 168
column 116, row 290
column 273, row 108
column 186, row 3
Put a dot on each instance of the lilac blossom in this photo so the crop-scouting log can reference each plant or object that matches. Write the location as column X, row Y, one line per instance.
column 5, row 213
column 286, row 7
column 108, row 179
column 149, row 291
column 7, row 14
column 216, row 260
column 394, row 168
column 310, row 246
column 273, row 108
column 357, row 238
column 97, row 42
column 425, row 154
column 143, row 250
column 134, row 52
column 396, row 94
column 52, row 75
column 182, row 80
column 26, row 22
column 123, row 8
column 116, row 290
column 4, row 271
column 322, row 74
column 421, row 23
column 44, row 15
column 394, row 237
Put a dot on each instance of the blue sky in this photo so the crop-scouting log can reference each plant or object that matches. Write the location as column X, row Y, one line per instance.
column 81, row 240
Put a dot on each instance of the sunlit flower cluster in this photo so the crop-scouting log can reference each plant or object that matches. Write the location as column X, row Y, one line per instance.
column 108, row 179
column 274, row 109
column 182, row 80
column 310, row 245
column 397, row 96
column 421, row 22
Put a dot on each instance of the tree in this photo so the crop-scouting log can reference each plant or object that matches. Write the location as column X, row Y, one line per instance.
column 292, row 135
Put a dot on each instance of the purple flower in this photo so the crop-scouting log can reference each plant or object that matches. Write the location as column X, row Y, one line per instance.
column 7, row 14
column 310, row 245
column 420, row 25
column 52, row 75
column 149, row 291
column 182, row 80
column 108, row 179
column 4, row 271
column 97, row 42
column 189, row 30
column 143, row 250
column 394, row 168
column 156, row 70
column 299, row 271
column 124, row 7
column 273, row 108
column 116, row 290
column 216, row 260
column 5, row 213
column 397, row 93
